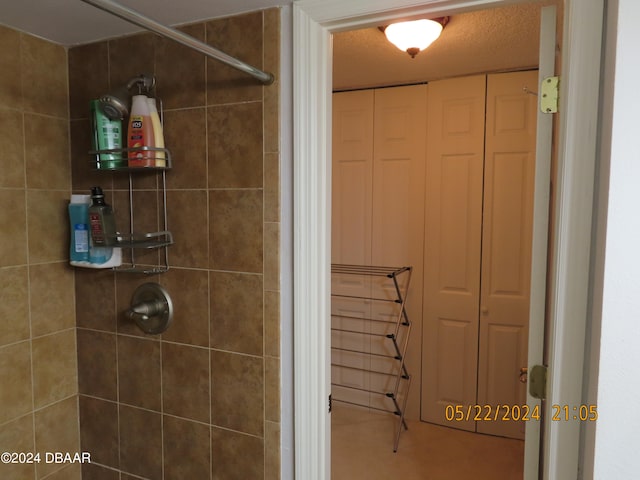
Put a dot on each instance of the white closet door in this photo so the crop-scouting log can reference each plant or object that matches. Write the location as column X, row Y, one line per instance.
column 453, row 222
column 506, row 245
column 398, row 223
column 352, row 180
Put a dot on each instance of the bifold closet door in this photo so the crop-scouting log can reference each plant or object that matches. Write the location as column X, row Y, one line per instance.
column 398, row 222
column 506, row 244
column 352, row 183
column 453, row 229
column 377, row 219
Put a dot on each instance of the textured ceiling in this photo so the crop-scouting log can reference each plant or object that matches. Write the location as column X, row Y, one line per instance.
column 477, row 42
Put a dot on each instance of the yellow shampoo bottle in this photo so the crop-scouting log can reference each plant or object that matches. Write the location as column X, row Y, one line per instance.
column 158, row 134
column 140, row 134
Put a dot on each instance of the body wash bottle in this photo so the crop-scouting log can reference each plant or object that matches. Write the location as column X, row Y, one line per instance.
column 107, row 135
column 79, row 219
column 158, row 135
column 101, row 220
column 140, row 133
column 83, row 252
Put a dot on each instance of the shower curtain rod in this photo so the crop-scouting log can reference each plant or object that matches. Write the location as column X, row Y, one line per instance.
column 137, row 18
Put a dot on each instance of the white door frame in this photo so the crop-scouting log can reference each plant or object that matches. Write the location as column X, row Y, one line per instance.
column 313, row 23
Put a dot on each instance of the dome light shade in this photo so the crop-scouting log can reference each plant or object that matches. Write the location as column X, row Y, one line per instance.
column 414, row 36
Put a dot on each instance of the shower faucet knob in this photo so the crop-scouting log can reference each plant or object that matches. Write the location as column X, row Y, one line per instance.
column 151, row 308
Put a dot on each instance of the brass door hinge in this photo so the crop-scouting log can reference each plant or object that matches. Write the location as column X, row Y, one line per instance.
column 549, row 94
column 537, row 376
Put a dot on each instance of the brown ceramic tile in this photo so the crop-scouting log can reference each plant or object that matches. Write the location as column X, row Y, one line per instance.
column 146, row 206
column 185, row 135
column 97, row 372
column 272, row 324
column 139, row 181
column 88, row 76
column 186, row 449
column 141, row 442
column 272, row 256
column 129, row 57
column 119, row 201
column 44, row 67
column 56, row 428
column 272, row 92
column 272, row 40
column 241, row 37
column 185, row 381
column 10, row 68
column 91, row 471
column 187, row 212
column 13, row 228
column 54, row 367
column 189, row 290
column 95, row 299
column 272, row 389
column 12, row 141
column 176, row 89
column 52, row 300
column 235, row 456
column 48, row 225
column 237, row 390
column 17, row 436
column 14, row 305
column 47, row 152
column 139, row 372
column 142, row 179
column 99, row 430
column 235, row 230
column 68, row 472
column 145, row 218
column 272, row 451
column 15, row 370
column 271, row 187
column 272, row 118
column 235, row 145
column 236, row 312
column 146, row 209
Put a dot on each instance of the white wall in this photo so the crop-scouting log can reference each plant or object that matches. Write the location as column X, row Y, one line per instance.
column 617, row 431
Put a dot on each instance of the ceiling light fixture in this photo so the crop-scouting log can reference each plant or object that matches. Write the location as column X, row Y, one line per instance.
column 416, row 35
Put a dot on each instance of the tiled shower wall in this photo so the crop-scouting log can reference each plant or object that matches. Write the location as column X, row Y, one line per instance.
column 38, row 374
column 201, row 400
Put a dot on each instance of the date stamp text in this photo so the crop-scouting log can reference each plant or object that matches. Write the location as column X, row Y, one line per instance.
column 45, row 457
column 519, row 413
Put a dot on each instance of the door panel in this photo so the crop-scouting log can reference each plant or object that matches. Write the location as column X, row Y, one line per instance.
column 506, row 254
column 352, row 173
column 398, row 220
column 453, row 221
column 351, row 238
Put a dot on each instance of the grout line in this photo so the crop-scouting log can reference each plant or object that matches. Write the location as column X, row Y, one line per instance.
column 161, row 412
column 117, row 402
column 209, row 255
column 210, row 374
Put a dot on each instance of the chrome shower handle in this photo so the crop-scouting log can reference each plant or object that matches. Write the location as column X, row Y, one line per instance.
column 145, row 310
column 151, row 308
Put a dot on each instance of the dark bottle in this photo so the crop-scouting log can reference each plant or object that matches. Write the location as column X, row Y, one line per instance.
column 101, row 220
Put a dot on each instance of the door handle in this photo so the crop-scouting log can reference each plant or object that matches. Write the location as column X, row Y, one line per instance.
column 523, row 374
